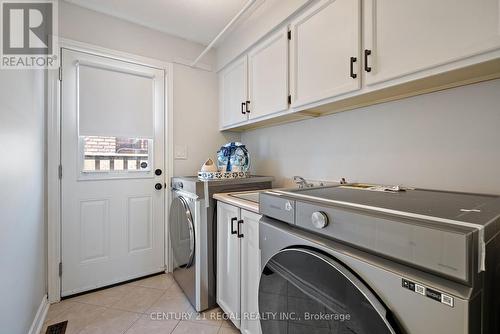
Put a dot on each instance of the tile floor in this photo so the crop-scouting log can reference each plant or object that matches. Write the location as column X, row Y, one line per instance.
column 130, row 309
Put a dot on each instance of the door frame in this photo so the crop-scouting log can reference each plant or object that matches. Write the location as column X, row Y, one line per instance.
column 53, row 127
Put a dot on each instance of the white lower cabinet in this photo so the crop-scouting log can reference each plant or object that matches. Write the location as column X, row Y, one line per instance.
column 250, row 273
column 238, row 266
column 228, row 260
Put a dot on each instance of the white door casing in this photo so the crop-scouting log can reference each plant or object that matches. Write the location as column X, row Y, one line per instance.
column 112, row 226
column 325, row 43
column 268, row 76
column 406, row 37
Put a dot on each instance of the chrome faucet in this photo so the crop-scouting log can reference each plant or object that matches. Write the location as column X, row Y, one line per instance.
column 301, row 182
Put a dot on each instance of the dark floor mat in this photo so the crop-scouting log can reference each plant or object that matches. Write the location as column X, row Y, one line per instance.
column 59, row 328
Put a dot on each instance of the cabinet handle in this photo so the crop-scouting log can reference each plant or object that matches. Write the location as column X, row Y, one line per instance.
column 367, row 53
column 232, row 225
column 353, row 60
column 248, row 105
column 243, row 104
column 240, row 235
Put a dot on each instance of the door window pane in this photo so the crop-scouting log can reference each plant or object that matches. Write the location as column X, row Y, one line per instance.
column 115, row 154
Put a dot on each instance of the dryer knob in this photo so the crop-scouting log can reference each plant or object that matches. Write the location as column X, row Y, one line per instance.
column 319, row 219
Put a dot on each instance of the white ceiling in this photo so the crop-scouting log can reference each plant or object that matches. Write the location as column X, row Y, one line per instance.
column 195, row 20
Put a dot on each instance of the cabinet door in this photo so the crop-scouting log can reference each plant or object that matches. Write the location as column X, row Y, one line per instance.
column 233, row 93
column 250, row 272
column 408, row 36
column 228, row 261
column 325, row 51
column 268, row 76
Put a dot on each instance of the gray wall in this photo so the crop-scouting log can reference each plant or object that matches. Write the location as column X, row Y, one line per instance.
column 444, row 140
column 22, row 204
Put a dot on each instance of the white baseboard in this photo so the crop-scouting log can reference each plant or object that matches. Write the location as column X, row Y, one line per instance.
column 39, row 319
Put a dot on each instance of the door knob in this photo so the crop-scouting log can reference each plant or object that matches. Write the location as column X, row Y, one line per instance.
column 158, row 186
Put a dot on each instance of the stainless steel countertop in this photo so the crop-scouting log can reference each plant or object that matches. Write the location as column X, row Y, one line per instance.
column 241, row 199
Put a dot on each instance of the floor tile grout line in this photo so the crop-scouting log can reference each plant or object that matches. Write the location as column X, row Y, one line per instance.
column 132, row 324
column 147, row 287
column 111, row 307
column 120, row 309
column 220, row 327
column 91, row 304
column 178, row 322
column 106, row 308
column 201, row 322
column 161, row 295
column 140, row 314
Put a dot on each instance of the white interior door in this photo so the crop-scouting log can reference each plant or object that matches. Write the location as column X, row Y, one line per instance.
column 112, row 142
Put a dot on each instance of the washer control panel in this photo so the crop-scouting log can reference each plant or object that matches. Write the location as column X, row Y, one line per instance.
column 428, row 292
column 319, row 219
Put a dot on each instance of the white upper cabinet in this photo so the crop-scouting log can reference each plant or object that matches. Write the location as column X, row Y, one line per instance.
column 325, row 51
column 233, row 93
column 347, row 53
column 408, row 36
column 268, row 76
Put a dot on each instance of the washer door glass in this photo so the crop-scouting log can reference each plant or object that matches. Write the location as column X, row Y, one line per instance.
column 181, row 233
column 303, row 291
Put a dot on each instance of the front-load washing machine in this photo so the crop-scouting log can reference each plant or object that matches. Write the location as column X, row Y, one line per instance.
column 350, row 260
column 192, row 232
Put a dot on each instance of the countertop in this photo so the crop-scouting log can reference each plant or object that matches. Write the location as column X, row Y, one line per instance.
column 246, row 204
column 253, row 206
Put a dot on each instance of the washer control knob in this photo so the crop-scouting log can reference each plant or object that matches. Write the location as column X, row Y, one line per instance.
column 319, row 219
